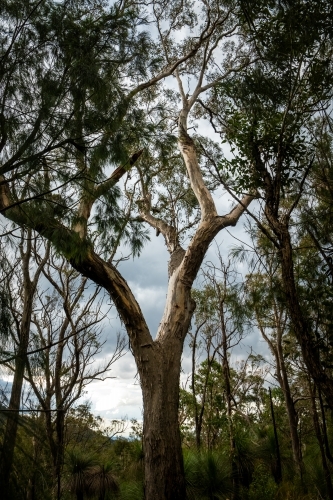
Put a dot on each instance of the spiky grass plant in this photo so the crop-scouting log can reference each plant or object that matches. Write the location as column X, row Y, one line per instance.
column 207, row 475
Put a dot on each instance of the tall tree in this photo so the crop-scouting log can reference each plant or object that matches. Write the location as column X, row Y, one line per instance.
column 111, row 68
column 272, row 106
column 265, row 300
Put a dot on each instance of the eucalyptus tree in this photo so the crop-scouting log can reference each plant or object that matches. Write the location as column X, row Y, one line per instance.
column 109, row 69
column 272, row 106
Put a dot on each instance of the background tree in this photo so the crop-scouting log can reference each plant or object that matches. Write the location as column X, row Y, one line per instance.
column 20, row 307
column 266, row 300
column 66, row 341
column 60, row 341
column 272, row 106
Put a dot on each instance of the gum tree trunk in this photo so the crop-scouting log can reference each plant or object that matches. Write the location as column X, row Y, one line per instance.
column 164, row 472
column 158, row 362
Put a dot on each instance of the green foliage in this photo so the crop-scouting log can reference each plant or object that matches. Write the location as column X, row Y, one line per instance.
column 268, row 107
column 130, row 490
column 68, row 114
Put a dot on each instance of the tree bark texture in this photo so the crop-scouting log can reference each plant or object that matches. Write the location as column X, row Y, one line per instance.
column 158, row 364
column 163, row 462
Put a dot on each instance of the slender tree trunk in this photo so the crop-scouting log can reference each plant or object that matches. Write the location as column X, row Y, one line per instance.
column 195, row 403
column 320, row 442
column 291, row 413
column 59, row 459
column 226, row 373
column 23, row 334
column 282, row 376
column 31, row 490
column 278, row 474
column 9, row 440
column 324, row 428
column 301, row 328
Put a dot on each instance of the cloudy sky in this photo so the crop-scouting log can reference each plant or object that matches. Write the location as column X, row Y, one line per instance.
column 119, row 397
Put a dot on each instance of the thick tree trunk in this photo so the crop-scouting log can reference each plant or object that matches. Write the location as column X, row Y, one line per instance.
column 9, row 440
column 157, row 360
column 163, row 460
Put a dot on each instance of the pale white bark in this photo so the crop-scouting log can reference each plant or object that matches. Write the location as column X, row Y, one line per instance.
column 83, row 214
column 178, row 309
column 188, row 151
column 169, row 232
